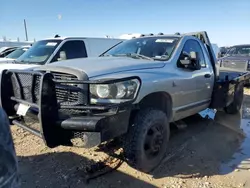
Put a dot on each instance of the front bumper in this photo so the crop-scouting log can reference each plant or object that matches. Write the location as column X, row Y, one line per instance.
column 58, row 123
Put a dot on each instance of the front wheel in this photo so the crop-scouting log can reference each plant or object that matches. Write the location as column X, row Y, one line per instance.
column 146, row 141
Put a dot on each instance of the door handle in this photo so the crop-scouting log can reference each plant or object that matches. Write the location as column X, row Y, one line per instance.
column 207, row 75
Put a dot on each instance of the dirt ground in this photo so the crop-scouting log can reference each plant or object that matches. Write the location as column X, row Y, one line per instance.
column 206, row 154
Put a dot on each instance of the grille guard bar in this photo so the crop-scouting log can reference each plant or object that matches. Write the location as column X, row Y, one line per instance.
column 51, row 123
column 47, row 78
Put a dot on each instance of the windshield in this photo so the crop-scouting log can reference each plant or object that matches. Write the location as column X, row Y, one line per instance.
column 160, row 48
column 239, row 50
column 17, row 53
column 39, row 53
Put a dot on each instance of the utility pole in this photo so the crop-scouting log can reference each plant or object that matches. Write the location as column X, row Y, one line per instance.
column 25, row 28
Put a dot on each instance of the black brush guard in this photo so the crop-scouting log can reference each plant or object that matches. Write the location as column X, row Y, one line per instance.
column 57, row 128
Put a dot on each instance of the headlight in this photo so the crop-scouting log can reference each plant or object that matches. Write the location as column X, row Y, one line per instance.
column 114, row 93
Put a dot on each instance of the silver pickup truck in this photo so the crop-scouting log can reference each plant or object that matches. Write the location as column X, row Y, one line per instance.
column 237, row 57
column 132, row 92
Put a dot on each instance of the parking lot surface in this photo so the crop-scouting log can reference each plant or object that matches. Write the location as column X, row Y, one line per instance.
column 207, row 153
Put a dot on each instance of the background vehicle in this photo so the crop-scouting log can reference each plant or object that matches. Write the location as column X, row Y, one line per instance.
column 61, row 48
column 14, row 55
column 237, row 58
column 56, row 49
column 223, row 51
column 216, row 50
column 133, row 92
column 4, row 51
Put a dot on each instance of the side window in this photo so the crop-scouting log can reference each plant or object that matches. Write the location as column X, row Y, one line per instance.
column 71, row 50
column 231, row 51
column 194, row 46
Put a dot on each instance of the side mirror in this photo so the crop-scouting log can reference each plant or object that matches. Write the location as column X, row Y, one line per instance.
column 190, row 60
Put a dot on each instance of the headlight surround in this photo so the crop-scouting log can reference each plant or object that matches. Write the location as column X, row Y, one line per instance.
column 117, row 92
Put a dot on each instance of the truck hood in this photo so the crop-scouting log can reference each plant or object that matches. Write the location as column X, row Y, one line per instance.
column 106, row 65
column 15, row 66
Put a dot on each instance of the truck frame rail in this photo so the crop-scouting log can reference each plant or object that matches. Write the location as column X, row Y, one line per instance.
column 226, row 86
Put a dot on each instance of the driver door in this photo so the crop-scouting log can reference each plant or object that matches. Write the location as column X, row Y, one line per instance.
column 196, row 84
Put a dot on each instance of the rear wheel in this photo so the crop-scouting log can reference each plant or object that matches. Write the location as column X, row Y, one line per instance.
column 235, row 106
column 146, row 141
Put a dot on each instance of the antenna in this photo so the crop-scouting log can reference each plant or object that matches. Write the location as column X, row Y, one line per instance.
column 25, row 28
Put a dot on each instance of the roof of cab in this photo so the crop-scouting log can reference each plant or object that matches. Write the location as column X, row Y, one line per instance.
column 165, row 35
column 138, row 35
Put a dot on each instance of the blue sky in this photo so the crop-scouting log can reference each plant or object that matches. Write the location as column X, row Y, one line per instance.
column 226, row 21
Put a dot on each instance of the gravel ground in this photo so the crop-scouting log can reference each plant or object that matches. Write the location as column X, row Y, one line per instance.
column 206, row 154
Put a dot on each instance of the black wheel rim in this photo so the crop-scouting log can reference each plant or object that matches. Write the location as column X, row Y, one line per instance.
column 154, row 141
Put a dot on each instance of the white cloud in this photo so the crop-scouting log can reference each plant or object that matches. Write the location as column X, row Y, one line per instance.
column 59, row 16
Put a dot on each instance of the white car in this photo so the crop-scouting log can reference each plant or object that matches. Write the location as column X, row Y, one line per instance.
column 61, row 48
column 14, row 55
column 4, row 51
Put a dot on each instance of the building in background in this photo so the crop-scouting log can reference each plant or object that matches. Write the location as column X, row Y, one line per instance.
column 14, row 43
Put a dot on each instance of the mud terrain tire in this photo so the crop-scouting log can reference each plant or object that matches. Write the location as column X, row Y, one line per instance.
column 145, row 144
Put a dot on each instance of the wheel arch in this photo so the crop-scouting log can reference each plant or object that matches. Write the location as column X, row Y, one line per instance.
column 158, row 100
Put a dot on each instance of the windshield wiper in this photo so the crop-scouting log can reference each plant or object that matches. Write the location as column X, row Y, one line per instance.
column 105, row 55
column 134, row 55
column 26, row 62
column 161, row 58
